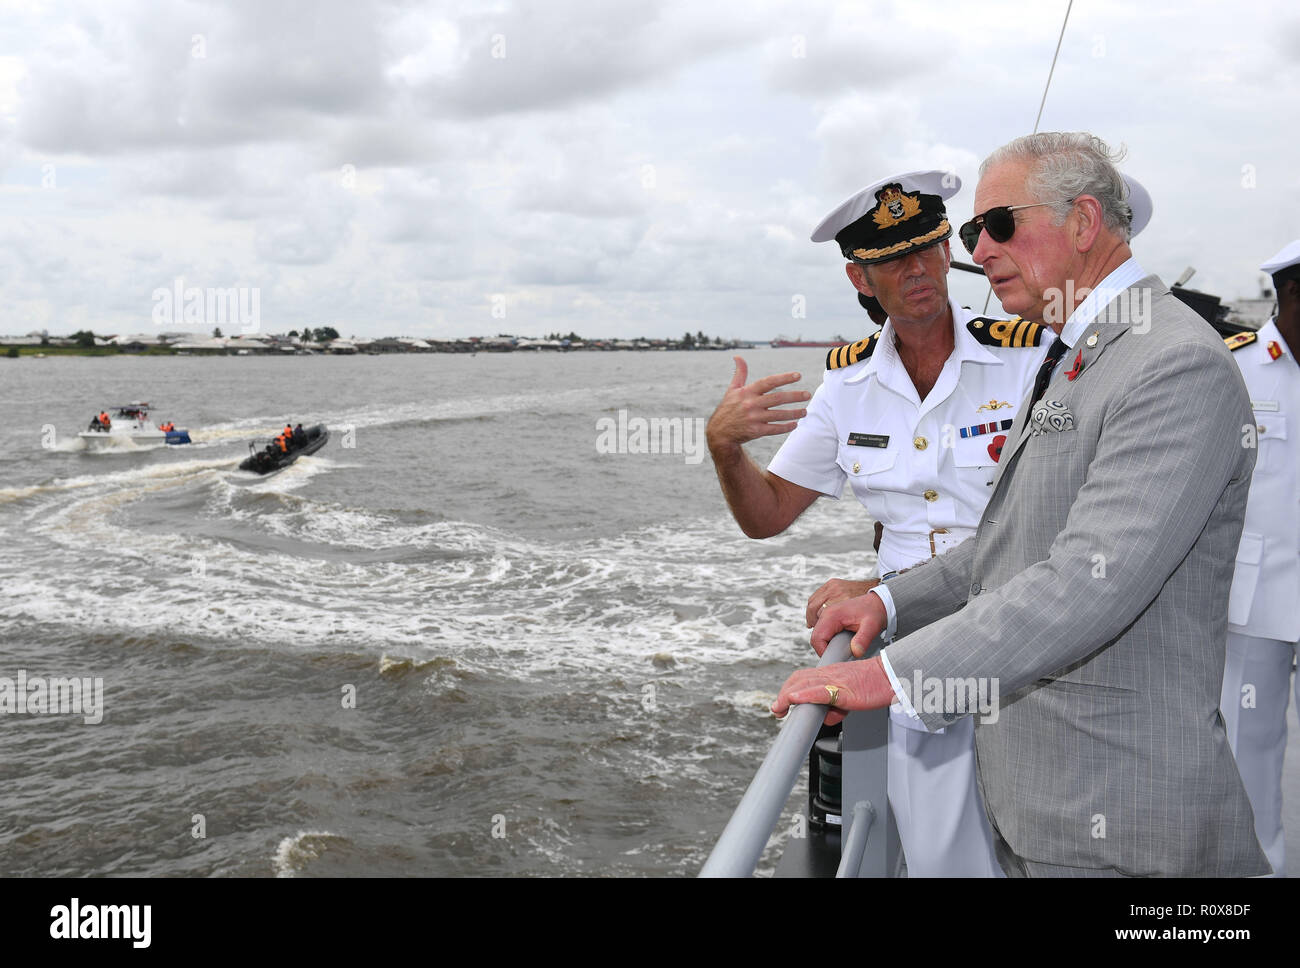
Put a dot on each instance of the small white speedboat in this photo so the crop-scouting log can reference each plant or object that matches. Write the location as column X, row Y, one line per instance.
column 130, row 422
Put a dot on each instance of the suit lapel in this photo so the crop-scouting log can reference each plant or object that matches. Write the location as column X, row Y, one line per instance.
column 1127, row 311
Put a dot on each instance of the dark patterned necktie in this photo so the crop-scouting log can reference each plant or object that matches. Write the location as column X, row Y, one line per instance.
column 1054, row 354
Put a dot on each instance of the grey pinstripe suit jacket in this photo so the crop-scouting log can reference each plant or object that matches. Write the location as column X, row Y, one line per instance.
column 1096, row 591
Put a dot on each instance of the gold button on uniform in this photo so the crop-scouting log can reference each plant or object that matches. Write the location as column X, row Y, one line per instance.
column 1261, row 428
column 856, row 467
column 931, row 495
column 920, row 443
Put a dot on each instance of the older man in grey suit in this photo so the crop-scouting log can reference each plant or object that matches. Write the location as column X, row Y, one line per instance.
column 1094, row 594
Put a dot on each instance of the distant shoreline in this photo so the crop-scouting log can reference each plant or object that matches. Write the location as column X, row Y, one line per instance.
column 53, row 351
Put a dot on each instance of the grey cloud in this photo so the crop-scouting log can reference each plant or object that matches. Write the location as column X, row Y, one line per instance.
column 544, row 56
column 312, row 231
column 387, row 142
column 853, row 48
column 602, row 194
column 146, row 75
column 413, row 206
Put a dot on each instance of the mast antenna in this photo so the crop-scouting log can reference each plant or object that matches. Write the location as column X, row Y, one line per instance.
column 1050, row 72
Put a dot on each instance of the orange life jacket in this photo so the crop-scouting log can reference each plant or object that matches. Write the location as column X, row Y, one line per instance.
column 103, row 418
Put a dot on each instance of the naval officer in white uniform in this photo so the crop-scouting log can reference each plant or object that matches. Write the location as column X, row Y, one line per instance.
column 1263, row 614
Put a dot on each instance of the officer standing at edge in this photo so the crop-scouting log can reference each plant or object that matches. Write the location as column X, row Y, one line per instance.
column 913, row 418
column 1263, row 616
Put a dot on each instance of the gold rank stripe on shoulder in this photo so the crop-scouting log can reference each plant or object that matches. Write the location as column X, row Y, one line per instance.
column 1013, row 332
column 851, row 353
column 1237, row 340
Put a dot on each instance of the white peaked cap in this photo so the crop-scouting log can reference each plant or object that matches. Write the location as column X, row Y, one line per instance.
column 945, row 184
column 1285, row 259
column 1139, row 201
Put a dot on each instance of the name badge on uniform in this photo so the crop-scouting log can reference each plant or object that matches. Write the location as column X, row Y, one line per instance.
column 868, row 440
column 1264, row 406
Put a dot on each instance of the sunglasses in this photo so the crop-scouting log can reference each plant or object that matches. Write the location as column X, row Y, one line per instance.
column 998, row 222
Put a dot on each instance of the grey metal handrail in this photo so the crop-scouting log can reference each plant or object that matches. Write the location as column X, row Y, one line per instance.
column 737, row 851
column 855, row 846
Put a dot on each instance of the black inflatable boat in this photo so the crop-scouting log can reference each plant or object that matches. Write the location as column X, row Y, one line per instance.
column 265, row 456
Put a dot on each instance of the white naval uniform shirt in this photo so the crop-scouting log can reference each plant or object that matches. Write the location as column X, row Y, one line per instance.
column 1266, row 583
column 907, row 459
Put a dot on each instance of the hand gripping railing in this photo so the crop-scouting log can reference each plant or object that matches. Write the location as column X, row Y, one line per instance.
column 737, row 851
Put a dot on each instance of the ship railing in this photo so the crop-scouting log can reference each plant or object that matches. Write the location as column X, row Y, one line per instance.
column 864, row 777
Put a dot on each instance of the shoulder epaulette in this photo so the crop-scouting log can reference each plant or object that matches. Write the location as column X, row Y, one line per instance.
column 1013, row 332
column 851, row 353
column 1237, row 340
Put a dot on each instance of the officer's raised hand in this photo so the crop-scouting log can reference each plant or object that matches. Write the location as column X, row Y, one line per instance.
column 749, row 412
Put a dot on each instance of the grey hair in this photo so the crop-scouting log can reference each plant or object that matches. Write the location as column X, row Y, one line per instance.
column 1067, row 164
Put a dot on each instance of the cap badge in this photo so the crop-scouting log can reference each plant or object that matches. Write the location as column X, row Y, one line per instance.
column 895, row 206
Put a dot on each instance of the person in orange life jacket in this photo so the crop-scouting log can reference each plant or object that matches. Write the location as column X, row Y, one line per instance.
column 104, row 421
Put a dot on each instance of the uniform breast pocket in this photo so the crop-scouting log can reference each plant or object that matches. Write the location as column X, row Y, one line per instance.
column 1270, row 432
column 866, row 466
column 977, row 457
column 1245, row 577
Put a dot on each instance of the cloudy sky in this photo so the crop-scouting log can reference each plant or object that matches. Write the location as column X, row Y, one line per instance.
column 605, row 166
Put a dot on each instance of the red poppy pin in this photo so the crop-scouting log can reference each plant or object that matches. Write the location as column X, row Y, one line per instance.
column 995, row 448
column 1078, row 367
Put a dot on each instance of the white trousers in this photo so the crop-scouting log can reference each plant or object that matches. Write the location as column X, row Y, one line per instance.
column 1256, row 690
column 936, row 801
